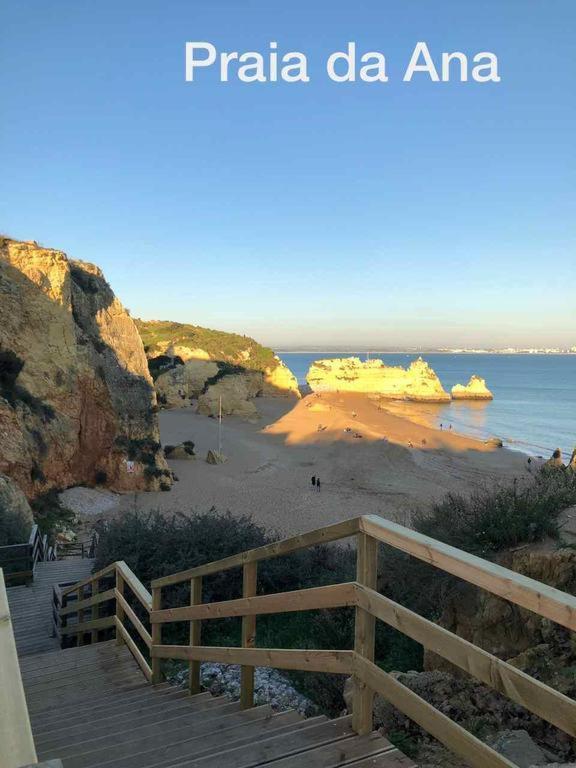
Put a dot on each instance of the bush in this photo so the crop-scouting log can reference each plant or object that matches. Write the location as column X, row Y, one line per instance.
column 14, row 528
column 493, row 520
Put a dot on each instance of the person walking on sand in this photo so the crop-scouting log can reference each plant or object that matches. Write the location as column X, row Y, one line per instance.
column 313, row 480
column 318, row 484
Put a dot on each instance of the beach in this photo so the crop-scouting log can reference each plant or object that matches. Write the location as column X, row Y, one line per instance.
column 369, row 459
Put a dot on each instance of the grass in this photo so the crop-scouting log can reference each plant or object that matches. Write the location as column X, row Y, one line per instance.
column 225, row 347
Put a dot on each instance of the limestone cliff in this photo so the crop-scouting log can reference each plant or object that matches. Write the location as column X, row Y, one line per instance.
column 76, row 399
column 191, row 363
column 476, row 389
column 418, row 382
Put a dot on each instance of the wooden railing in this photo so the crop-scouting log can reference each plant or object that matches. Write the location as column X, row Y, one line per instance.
column 369, row 605
column 16, row 742
column 19, row 560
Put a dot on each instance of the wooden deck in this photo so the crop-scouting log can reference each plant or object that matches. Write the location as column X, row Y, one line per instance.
column 31, row 606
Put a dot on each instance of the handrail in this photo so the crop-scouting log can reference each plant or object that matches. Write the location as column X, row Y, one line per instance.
column 369, row 606
column 15, row 731
column 28, row 553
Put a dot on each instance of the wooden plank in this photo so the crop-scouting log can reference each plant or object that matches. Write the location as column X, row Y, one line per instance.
column 512, row 682
column 320, row 536
column 134, row 650
column 80, row 599
column 337, row 662
column 528, row 593
column 119, row 609
column 100, row 574
column 156, row 637
column 87, row 626
column 95, row 609
column 364, row 633
column 127, row 610
column 453, row 736
column 15, row 731
column 332, row 596
column 195, row 636
column 96, row 599
column 139, row 590
column 249, row 579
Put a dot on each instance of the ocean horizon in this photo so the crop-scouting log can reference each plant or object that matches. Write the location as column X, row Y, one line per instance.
column 534, row 406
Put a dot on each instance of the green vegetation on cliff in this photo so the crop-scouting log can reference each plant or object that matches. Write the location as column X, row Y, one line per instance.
column 159, row 336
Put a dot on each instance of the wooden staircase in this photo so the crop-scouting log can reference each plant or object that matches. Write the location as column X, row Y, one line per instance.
column 91, row 706
column 105, row 702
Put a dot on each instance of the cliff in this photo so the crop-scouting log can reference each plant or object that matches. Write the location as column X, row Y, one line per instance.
column 192, row 363
column 418, row 382
column 476, row 389
column 76, row 399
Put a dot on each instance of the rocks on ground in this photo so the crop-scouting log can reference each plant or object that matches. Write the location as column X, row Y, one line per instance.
column 270, row 686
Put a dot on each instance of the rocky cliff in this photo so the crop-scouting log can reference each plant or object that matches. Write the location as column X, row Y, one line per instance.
column 76, row 399
column 476, row 389
column 418, row 382
column 191, row 363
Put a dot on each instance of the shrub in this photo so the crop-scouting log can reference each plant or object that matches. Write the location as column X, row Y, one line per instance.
column 492, row 520
column 14, row 528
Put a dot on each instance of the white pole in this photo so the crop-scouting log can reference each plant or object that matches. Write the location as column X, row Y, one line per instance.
column 220, row 426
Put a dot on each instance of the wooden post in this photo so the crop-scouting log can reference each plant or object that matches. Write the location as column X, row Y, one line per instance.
column 364, row 633
column 119, row 610
column 80, row 614
column 248, row 637
column 195, row 634
column 95, row 609
column 156, row 636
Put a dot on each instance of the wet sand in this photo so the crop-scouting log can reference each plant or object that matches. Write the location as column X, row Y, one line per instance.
column 397, row 465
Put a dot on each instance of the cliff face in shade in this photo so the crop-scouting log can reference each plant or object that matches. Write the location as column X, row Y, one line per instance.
column 418, row 382
column 476, row 389
column 76, row 398
column 237, row 392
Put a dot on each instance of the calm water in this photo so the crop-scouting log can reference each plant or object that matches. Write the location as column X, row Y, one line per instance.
column 534, row 406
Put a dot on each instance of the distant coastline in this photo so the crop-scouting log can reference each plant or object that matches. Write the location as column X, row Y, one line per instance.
column 418, row 351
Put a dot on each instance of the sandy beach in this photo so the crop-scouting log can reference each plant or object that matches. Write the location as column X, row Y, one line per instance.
column 370, row 461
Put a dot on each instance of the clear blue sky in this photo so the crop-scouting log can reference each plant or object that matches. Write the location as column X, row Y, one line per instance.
column 316, row 213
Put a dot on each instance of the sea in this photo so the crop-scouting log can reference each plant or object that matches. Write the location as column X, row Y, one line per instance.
column 534, row 406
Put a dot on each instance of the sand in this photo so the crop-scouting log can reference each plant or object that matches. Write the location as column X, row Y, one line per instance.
column 397, row 465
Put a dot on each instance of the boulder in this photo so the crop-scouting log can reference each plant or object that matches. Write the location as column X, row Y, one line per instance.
column 77, row 403
column 518, row 747
column 476, row 389
column 180, row 384
column 16, row 519
column 182, row 452
column 235, row 392
column 214, row 457
column 418, row 382
column 554, row 462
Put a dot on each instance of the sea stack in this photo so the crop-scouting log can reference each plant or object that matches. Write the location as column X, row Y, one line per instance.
column 418, row 382
column 476, row 389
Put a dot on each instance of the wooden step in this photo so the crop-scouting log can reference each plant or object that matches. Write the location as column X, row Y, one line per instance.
column 122, row 727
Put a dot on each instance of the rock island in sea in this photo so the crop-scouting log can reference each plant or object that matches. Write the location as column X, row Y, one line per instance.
column 476, row 389
column 418, row 382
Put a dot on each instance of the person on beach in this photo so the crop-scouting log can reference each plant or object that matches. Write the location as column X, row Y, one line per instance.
column 313, row 480
column 318, row 484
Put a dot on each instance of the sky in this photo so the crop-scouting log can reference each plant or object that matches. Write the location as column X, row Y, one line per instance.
column 368, row 214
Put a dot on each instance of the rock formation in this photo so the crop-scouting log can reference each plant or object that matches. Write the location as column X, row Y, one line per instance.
column 183, row 383
column 476, row 389
column 418, row 382
column 236, row 392
column 16, row 518
column 76, row 399
column 187, row 360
